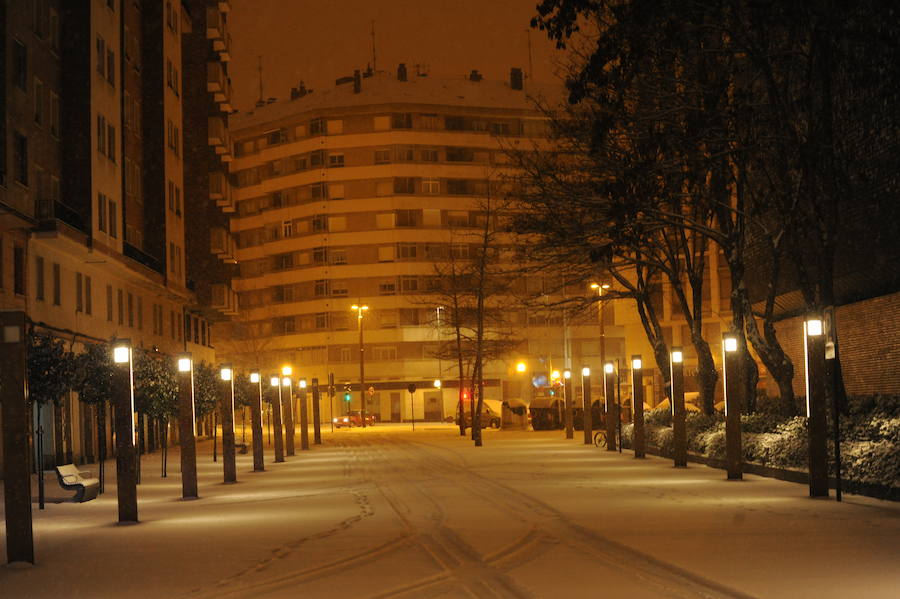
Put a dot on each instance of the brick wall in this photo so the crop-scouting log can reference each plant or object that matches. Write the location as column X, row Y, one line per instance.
column 869, row 335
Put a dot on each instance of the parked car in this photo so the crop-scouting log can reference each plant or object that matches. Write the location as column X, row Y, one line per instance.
column 490, row 416
column 352, row 419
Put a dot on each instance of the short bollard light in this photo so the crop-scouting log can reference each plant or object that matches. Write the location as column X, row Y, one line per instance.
column 610, row 405
column 567, row 374
column 225, row 373
column 586, row 405
column 731, row 384
column 275, row 383
column 637, row 406
column 126, row 461
column 256, row 422
column 254, row 377
column 814, row 354
column 187, row 426
column 679, row 430
column 304, row 415
column 569, row 405
column 226, row 396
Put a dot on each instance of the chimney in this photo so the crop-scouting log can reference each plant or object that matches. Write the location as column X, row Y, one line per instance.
column 357, row 82
column 475, row 75
column 515, row 78
column 401, row 72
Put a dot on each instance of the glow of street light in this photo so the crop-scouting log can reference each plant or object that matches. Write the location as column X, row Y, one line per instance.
column 520, row 367
column 273, row 381
column 585, row 371
column 567, row 374
column 730, row 344
column 184, row 363
column 677, row 356
column 303, row 383
column 225, row 373
column 286, row 381
column 609, row 368
column 437, row 383
column 554, row 375
column 636, row 363
column 287, row 371
column 814, row 327
column 122, row 351
column 254, row 376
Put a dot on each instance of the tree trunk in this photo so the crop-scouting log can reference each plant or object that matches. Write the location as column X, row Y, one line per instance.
column 706, row 374
column 58, row 434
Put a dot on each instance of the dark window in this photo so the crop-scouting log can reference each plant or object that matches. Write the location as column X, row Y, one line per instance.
column 317, row 158
column 455, row 123
column 335, row 160
column 79, row 292
column 459, row 186
column 275, row 137
column 88, row 300
column 320, row 222
column 317, row 127
column 277, row 199
column 321, row 288
column 109, row 303
column 407, row 218
column 320, row 255
column 318, row 191
column 20, row 65
column 57, row 291
column 401, row 121
column 284, row 261
column 460, row 155
column 20, row 158
column 404, row 185
column 39, row 278
column 19, row 270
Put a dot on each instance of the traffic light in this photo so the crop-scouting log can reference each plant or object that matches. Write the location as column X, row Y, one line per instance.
column 347, row 392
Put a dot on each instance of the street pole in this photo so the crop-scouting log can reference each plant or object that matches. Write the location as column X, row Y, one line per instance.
column 362, row 362
column 609, row 393
column 586, row 404
column 126, row 470
column 226, row 397
column 14, row 413
column 289, row 428
column 256, row 424
column 637, row 405
column 187, row 427
column 679, row 431
column 732, row 386
column 412, row 404
column 317, row 424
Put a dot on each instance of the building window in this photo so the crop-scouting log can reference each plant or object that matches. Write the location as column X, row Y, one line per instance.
column 457, row 218
column 79, row 291
column 88, row 299
column 339, row 288
column 459, row 186
column 321, row 320
column 406, row 218
column 274, row 138
column 404, row 155
column 401, row 121
column 111, row 142
column 317, row 158
column 320, row 223
column 19, row 270
column 409, row 284
column 109, row 303
column 57, row 283
column 406, row 251
column 101, row 134
column 320, row 255
column 338, row 256
column 287, row 229
column 120, row 303
column 387, row 288
column 320, row 288
column 431, row 186
column 382, row 156
column 20, row 157
column 20, row 65
column 317, row 127
column 39, row 278
column 111, row 67
column 460, row 155
column 38, row 101
column 54, row 114
column 335, row 160
column 130, row 310
column 113, row 228
column 101, row 212
column 318, row 191
column 140, row 313
column 284, row 261
column 101, row 56
column 404, row 185
column 429, row 155
column 54, row 30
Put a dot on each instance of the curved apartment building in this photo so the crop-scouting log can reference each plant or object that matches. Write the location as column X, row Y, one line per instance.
column 351, row 196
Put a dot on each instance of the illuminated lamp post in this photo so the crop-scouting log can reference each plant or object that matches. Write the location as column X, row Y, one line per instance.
column 637, row 406
column 586, row 404
column 731, row 384
column 287, row 404
column 226, row 397
column 317, row 423
column 187, row 426
column 275, row 383
column 612, row 414
column 679, row 432
column 256, row 423
column 304, row 417
column 14, row 416
column 360, row 309
column 126, row 468
column 567, row 394
column 814, row 352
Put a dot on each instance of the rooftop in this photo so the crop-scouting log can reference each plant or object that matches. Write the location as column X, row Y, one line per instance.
column 383, row 88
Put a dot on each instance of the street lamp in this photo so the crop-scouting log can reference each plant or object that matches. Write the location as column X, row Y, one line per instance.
column 521, row 366
column 256, row 423
column 226, row 388
column 637, row 405
column 609, row 405
column 586, row 404
column 275, row 383
column 286, row 383
column 567, row 393
column 126, row 466
column 731, row 385
column 679, row 432
column 814, row 354
column 359, row 308
column 187, row 426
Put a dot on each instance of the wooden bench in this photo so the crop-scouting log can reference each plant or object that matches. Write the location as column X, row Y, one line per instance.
column 72, row 479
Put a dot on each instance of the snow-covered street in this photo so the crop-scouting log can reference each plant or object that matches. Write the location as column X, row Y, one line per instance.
column 385, row 512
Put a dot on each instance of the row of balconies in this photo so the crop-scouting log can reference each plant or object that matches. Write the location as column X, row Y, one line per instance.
column 217, row 31
column 219, row 138
column 224, row 299
column 221, row 192
column 219, row 85
column 221, row 243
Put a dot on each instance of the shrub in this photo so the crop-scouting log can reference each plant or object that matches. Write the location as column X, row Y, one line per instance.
column 712, row 441
column 627, row 435
column 658, row 417
column 760, row 422
column 872, row 462
column 697, row 423
column 662, row 438
column 788, row 445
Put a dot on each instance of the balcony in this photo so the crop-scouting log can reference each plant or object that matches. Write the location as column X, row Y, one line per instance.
column 221, row 243
column 216, row 81
column 225, row 52
column 217, row 133
column 224, row 6
column 224, row 299
column 220, row 191
column 215, row 24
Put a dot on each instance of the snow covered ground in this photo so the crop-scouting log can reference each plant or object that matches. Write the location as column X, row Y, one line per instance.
column 385, row 512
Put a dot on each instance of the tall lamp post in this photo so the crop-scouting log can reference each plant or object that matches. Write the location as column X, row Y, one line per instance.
column 612, row 412
column 679, row 432
column 126, row 469
column 731, row 384
column 317, row 419
column 286, row 372
column 256, row 423
column 226, row 388
column 275, row 383
column 187, row 426
column 600, row 287
column 440, row 310
column 360, row 309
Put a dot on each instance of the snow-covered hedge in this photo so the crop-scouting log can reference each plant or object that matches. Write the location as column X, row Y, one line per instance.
column 870, row 438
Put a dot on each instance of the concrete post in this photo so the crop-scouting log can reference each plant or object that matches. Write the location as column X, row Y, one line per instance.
column 637, row 406
column 288, row 407
column 256, row 432
column 731, row 383
column 814, row 352
column 567, row 391
column 226, row 403
column 612, row 413
column 586, row 404
column 276, row 417
column 679, row 432
column 187, row 427
column 126, row 466
column 304, row 417
column 317, row 424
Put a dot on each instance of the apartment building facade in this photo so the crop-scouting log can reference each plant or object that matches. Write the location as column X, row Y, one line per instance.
column 355, row 196
column 92, row 209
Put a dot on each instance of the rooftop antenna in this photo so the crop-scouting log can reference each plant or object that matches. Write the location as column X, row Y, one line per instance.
column 262, row 98
column 374, row 61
